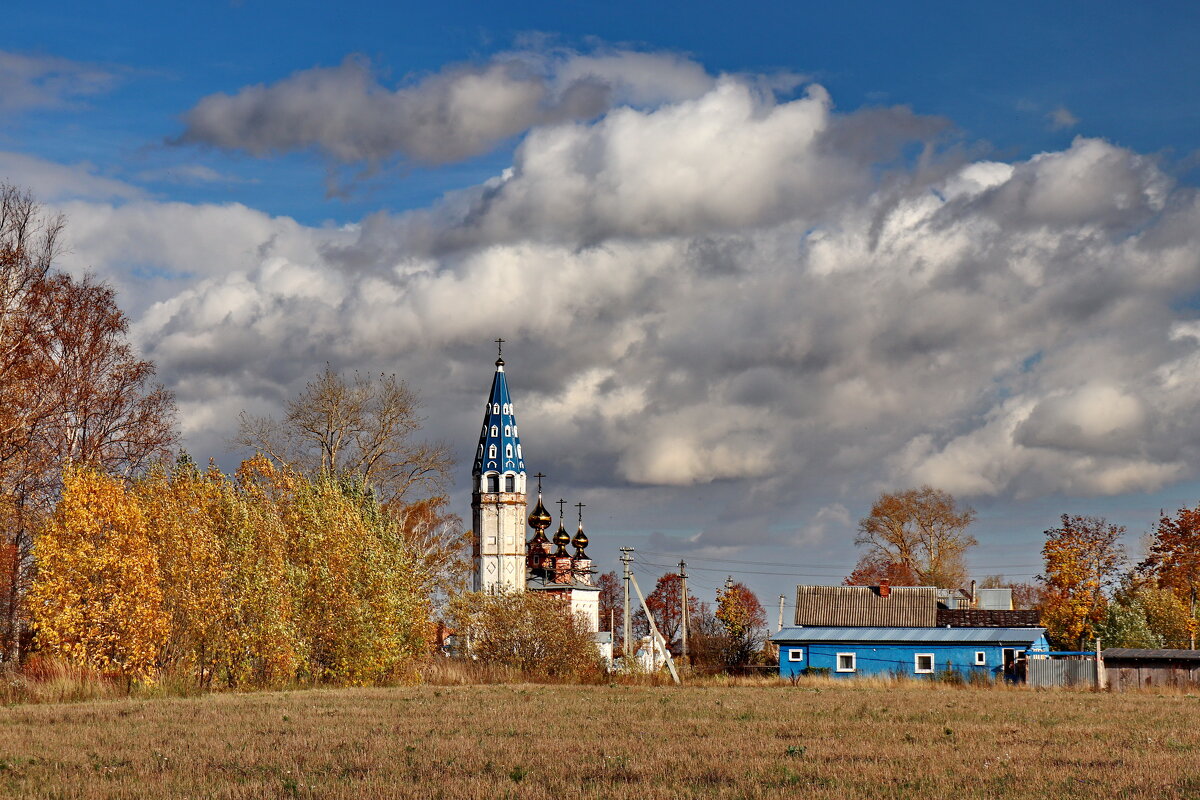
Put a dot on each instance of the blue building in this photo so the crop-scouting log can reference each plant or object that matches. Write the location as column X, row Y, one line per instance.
column 902, row 631
column 915, row 652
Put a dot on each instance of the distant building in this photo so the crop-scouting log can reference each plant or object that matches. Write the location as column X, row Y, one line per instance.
column 904, row 631
column 504, row 561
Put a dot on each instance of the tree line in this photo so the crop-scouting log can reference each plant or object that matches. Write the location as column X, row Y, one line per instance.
column 320, row 560
column 1088, row 587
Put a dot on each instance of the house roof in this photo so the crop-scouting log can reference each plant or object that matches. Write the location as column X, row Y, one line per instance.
column 1151, row 655
column 1024, row 636
column 903, row 607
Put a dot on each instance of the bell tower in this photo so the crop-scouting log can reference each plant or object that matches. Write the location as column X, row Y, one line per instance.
column 498, row 496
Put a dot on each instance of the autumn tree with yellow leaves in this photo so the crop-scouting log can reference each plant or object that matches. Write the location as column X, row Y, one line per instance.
column 97, row 601
column 1083, row 559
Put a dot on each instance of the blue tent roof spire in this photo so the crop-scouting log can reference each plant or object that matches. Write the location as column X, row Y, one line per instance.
column 499, row 445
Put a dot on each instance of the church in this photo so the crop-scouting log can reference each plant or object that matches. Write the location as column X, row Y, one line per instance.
column 504, row 560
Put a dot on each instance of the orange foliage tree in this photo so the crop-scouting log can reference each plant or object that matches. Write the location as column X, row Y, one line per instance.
column 73, row 391
column 922, row 529
column 1083, row 559
column 1173, row 559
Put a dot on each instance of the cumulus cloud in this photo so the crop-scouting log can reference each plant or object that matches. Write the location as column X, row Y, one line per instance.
column 721, row 300
column 347, row 113
column 38, row 81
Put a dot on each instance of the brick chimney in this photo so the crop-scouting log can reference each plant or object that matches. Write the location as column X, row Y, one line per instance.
column 885, row 587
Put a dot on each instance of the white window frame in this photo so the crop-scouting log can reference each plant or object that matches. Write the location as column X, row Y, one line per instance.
column 796, row 654
column 853, row 662
column 495, row 431
column 492, row 451
column 917, row 663
column 495, row 408
column 508, row 430
column 508, row 451
column 981, row 658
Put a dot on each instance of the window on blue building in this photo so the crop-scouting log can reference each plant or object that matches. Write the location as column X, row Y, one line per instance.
column 796, row 654
column 508, row 483
column 847, row 662
column 924, row 663
column 980, row 658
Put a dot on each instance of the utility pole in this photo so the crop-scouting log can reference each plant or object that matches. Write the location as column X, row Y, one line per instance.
column 684, row 622
column 626, row 560
column 781, row 601
column 656, row 638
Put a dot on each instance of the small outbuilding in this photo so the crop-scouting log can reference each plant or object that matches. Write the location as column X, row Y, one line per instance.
column 1132, row 668
column 915, row 652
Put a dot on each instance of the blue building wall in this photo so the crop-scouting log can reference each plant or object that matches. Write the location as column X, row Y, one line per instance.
column 877, row 658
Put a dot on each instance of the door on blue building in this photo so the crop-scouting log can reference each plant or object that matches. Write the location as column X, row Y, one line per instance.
column 1010, row 663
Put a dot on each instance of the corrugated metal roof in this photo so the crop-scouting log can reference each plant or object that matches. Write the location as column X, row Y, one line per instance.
column 1151, row 655
column 1025, row 636
column 904, row 607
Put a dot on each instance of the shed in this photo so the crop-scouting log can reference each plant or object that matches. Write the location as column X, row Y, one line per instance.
column 845, row 651
column 1133, row 668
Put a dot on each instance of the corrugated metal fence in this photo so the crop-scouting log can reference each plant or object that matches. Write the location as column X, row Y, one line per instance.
column 1050, row 672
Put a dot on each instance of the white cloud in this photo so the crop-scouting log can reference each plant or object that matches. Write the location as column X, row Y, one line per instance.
column 52, row 182
column 720, row 294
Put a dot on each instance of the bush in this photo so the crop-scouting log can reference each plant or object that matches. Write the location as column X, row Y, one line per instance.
column 530, row 631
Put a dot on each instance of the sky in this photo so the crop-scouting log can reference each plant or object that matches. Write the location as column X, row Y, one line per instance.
column 754, row 264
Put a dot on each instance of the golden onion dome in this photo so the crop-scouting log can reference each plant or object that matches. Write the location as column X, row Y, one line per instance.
column 561, row 537
column 540, row 519
column 581, row 540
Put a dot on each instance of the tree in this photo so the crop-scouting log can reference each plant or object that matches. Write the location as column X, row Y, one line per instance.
column 1174, row 555
column 1083, row 558
column 73, row 390
column 612, row 606
column 873, row 568
column 534, row 632
column 923, row 529
column 745, row 623
column 666, row 607
column 362, row 427
column 96, row 601
column 439, row 548
column 1126, row 626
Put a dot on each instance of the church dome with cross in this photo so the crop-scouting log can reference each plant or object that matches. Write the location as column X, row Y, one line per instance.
column 504, row 560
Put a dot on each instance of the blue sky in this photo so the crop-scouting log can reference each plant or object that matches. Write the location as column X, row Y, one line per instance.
column 725, row 340
column 996, row 71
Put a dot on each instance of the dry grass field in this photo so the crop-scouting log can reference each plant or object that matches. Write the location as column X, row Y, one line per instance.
column 490, row 741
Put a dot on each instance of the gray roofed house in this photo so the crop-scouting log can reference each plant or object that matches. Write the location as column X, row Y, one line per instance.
column 866, row 606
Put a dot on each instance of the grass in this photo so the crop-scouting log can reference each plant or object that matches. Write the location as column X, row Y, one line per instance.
column 821, row 739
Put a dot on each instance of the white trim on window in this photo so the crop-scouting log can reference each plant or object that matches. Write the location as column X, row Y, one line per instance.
column 981, row 658
column 927, row 669
column 796, row 654
column 492, row 451
column 847, row 662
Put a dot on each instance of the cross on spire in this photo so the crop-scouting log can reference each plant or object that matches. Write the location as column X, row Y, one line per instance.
column 539, row 476
column 500, row 347
column 580, row 506
column 561, row 503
